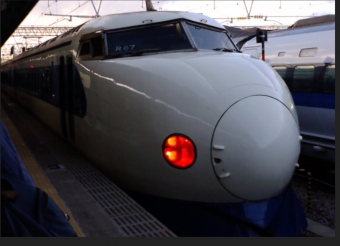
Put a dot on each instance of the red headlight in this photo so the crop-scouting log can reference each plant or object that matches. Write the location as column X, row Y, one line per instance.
column 179, row 151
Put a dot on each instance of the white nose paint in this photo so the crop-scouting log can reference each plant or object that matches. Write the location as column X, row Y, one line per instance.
column 255, row 148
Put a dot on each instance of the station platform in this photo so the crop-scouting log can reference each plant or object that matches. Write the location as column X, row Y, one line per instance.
column 96, row 206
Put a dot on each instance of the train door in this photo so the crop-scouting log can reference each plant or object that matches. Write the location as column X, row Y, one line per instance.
column 62, row 96
column 13, row 82
column 66, row 91
column 70, row 88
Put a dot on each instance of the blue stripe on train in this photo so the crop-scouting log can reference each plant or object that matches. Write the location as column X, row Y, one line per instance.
column 314, row 100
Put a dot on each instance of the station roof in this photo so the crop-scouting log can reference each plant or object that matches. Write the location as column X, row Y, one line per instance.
column 13, row 12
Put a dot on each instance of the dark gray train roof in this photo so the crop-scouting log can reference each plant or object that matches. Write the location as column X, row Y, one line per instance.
column 314, row 20
column 303, row 29
column 314, row 24
column 305, row 25
column 238, row 32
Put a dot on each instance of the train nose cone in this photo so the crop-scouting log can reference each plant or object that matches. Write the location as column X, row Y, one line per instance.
column 255, row 148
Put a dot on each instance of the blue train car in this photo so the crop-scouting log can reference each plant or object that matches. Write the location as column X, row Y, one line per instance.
column 304, row 56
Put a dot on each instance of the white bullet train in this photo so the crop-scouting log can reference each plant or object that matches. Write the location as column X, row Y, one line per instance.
column 165, row 104
column 304, row 56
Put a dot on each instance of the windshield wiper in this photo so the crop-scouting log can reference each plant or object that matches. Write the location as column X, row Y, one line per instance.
column 141, row 52
column 133, row 53
column 224, row 49
column 115, row 55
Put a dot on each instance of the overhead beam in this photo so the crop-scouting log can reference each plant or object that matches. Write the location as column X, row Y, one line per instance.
column 40, row 31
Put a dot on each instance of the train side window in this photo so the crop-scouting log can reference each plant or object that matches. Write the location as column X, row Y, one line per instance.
column 282, row 71
column 329, row 80
column 303, row 77
column 97, row 47
column 92, row 49
column 309, row 52
column 281, row 54
column 4, row 77
column 85, row 49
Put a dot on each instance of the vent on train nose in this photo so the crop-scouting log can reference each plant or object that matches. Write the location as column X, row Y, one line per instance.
column 179, row 151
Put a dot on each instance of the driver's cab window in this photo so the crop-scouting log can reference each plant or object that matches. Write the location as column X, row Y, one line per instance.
column 85, row 50
column 97, row 47
column 92, row 49
column 210, row 38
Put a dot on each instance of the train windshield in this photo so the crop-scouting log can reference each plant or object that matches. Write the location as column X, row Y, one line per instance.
column 166, row 37
column 211, row 39
column 156, row 38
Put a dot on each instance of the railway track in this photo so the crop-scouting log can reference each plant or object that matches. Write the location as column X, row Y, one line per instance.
column 314, row 184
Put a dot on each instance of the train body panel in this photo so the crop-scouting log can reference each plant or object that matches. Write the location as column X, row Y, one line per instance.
column 121, row 107
column 291, row 46
column 157, row 104
column 305, row 58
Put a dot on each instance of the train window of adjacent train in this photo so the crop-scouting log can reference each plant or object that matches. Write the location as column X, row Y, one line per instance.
column 281, row 54
column 303, row 77
column 281, row 71
column 309, row 52
column 329, row 80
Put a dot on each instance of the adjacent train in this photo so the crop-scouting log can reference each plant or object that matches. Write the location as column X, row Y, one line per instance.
column 304, row 56
column 165, row 104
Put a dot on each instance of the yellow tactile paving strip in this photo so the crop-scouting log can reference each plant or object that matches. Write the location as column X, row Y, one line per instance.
column 36, row 172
